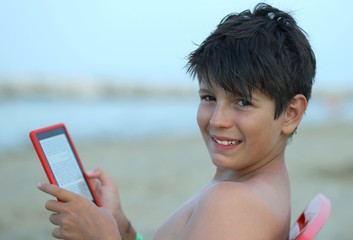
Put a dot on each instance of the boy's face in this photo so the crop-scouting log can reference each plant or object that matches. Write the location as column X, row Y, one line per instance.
column 240, row 135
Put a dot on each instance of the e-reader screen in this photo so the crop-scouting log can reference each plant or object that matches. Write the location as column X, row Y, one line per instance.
column 63, row 162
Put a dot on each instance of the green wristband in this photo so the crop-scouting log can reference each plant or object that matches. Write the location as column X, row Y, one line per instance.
column 138, row 237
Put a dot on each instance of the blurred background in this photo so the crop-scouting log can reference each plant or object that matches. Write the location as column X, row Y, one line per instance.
column 113, row 72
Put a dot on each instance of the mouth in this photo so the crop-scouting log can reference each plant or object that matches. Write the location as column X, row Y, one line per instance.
column 226, row 142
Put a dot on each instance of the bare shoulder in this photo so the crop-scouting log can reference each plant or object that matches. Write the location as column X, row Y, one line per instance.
column 231, row 210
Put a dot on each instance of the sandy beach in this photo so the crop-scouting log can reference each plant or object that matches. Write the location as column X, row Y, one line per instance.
column 156, row 175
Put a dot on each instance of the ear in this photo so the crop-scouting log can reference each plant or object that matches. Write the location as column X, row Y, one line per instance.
column 294, row 113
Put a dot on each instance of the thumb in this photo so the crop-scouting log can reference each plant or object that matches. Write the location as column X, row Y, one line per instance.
column 101, row 175
column 93, row 173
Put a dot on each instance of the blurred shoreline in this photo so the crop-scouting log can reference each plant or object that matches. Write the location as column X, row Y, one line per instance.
column 87, row 89
column 81, row 88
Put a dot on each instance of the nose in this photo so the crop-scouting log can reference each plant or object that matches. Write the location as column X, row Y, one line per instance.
column 222, row 117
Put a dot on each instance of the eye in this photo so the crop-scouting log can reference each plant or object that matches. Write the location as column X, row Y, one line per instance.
column 207, row 98
column 244, row 102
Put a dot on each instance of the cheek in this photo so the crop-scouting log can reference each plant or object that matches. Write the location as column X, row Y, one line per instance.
column 202, row 117
column 268, row 134
column 259, row 128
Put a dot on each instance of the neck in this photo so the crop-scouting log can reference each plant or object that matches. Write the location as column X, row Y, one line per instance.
column 275, row 165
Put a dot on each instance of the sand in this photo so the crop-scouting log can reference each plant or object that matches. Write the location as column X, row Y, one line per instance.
column 156, row 175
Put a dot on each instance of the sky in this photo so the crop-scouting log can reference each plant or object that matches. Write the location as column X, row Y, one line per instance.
column 148, row 41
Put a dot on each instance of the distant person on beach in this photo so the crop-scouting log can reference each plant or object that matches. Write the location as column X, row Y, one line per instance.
column 255, row 74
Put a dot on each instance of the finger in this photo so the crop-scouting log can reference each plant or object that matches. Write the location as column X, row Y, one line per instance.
column 60, row 193
column 93, row 179
column 57, row 233
column 54, row 206
column 94, row 183
column 55, row 219
column 92, row 173
column 101, row 175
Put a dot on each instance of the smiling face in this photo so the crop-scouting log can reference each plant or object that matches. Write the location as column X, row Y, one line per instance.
column 240, row 134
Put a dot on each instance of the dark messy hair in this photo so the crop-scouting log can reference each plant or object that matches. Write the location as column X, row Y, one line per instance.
column 264, row 50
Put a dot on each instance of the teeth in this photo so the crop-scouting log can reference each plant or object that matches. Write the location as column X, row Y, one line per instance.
column 226, row 143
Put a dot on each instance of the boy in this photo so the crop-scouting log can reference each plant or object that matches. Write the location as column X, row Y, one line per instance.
column 255, row 73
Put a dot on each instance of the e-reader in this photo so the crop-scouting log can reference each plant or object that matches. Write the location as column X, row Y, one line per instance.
column 60, row 160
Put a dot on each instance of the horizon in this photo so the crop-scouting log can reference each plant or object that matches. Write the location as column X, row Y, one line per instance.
column 93, row 89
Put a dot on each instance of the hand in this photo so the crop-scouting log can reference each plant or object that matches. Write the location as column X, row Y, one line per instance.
column 106, row 191
column 109, row 197
column 77, row 217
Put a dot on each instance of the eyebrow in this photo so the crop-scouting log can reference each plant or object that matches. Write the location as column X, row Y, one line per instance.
column 204, row 89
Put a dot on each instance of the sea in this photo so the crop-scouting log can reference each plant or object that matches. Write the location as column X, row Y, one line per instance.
column 127, row 118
